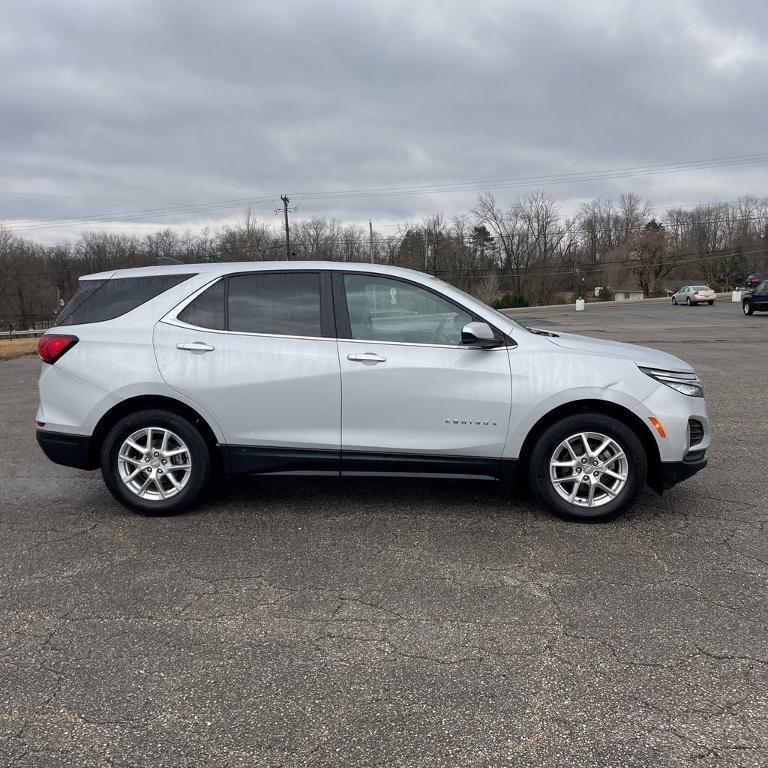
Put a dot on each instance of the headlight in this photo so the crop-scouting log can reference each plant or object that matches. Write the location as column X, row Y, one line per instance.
column 687, row 383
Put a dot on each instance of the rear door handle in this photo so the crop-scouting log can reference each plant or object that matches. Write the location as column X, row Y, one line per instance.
column 196, row 346
column 367, row 357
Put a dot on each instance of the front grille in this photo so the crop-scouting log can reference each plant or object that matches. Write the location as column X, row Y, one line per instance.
column 695, row 432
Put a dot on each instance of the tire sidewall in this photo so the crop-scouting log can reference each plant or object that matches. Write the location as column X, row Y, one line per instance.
column 747, row 308
column 607, row 425
column 199, row 454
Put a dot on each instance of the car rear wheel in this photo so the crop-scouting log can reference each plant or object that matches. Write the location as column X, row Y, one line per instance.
column 710, row 303
column 155, row 462
column 747, row 307
column 588, row 467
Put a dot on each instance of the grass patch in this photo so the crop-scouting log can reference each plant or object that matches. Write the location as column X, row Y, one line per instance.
column 10, row 348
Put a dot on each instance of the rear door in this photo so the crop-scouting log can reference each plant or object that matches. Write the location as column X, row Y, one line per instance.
column 258, row 351
column 411, row 391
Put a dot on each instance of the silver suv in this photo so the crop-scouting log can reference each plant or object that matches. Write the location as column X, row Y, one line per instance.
column 163, row 375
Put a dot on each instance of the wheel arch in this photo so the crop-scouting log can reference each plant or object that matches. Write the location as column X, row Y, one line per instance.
column 145, row 402
column 607, row 408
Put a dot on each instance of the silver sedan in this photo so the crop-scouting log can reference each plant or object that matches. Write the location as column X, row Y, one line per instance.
column 694, row 294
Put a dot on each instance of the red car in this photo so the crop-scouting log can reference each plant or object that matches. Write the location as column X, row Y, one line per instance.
column 754, row 280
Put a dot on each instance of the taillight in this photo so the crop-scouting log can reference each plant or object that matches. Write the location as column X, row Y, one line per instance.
column 52, row 346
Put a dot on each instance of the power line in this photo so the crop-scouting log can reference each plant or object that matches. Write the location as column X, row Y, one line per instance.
column 560, row 270
column 574, row 225
column 7, row 193
column 513, row 182
column 35, row 224
column 659, row 168
column 557, row 270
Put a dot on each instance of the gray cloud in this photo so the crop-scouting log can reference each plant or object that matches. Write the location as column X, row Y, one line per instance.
column 176, row 102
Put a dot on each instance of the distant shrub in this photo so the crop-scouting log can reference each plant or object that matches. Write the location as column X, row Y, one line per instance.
column 606, row 294
column 509, row 300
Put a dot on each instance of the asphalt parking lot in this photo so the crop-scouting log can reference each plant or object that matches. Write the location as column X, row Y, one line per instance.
column 318, row 622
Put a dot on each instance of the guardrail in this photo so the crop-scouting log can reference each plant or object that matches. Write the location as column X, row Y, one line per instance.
column 12, row 334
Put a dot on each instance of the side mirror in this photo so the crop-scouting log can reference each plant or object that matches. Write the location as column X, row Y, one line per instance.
column 480, row 336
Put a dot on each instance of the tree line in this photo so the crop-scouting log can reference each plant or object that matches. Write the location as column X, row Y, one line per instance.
column 524, row 254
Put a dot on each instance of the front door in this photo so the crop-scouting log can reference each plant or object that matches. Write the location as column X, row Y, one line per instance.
column 760, row 297
column 414, row 398
column 257, row 351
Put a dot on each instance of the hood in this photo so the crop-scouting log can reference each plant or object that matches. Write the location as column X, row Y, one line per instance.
column 642, row 355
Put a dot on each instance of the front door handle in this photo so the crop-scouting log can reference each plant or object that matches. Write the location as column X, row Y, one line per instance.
column 367, row 357
column 196, row 346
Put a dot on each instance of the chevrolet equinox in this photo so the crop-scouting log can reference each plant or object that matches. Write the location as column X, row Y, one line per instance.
column 163, row 375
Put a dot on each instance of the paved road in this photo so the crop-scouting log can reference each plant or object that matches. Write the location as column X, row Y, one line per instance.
column 295, row 622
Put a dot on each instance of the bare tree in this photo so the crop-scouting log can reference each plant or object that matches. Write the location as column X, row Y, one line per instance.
column 529, row 235
column 650, row 257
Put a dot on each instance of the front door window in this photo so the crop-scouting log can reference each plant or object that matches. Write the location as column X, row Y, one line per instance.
column 386, row 309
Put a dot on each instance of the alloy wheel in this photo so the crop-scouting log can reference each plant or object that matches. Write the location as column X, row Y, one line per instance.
column 588, row 469
column 154, row 463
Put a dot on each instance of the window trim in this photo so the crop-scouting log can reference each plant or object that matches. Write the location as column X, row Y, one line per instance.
column 327, row 321
column 344, row 326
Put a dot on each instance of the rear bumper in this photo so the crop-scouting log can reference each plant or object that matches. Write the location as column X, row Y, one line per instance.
column 673, row 472
column 68, row 450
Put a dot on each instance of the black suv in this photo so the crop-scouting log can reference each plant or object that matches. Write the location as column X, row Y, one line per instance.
column 756, row 300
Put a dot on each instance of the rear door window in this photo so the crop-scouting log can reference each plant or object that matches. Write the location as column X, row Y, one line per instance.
column 281, row 303
column 98, row 300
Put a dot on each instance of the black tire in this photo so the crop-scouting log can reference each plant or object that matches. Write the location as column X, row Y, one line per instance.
column 550, row 439
column 674, row 300
column 199, row 460
column 747, row 307
column 711, row 303
column 688, row 301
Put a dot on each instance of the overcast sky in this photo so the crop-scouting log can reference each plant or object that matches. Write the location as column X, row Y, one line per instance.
column 150, row 105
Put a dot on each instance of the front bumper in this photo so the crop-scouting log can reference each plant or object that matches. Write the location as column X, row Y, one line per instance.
column 673, row 472
column 68, row 450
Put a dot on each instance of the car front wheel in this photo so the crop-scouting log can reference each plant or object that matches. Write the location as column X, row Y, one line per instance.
column 747, row 307
column 588, row 467
column 155, row 462
column 674, row 300
column 688, row 301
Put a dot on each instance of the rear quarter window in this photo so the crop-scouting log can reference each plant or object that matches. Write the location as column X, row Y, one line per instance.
column 207, row 310
column 99, row 300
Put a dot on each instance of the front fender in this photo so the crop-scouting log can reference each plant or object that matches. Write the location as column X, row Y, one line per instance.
column 525, row 419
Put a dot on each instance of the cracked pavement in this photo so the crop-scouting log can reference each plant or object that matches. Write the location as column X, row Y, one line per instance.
column 317, row 622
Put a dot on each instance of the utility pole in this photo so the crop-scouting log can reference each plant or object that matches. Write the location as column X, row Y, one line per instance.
column 370, row 240
column 285, row 200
